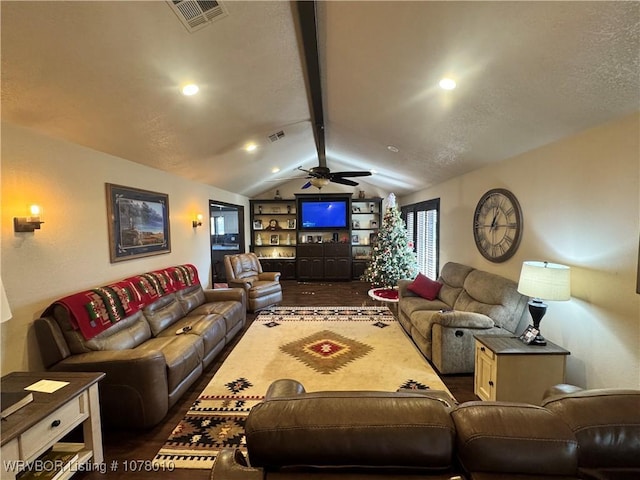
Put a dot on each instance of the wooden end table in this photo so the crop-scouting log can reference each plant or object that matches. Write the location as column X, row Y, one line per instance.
column 509, row 370
column 41, row 424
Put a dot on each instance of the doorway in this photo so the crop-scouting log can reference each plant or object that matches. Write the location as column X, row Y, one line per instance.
column 226, row 223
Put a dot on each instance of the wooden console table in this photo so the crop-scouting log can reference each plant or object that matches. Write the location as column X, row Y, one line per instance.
column 41, row 424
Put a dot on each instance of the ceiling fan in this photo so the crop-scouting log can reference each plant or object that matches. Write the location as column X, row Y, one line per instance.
column 321, row 175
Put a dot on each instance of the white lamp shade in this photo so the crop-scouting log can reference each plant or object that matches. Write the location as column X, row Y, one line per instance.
column 5, row 311
column 547, row 281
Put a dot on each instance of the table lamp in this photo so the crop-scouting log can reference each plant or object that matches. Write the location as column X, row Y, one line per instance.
column 543, row 281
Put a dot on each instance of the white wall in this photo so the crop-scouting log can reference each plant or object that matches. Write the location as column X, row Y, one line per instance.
column 71, row 253
column 580, row 199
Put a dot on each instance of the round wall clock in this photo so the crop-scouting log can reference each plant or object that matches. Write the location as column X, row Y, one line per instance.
column 497, row 225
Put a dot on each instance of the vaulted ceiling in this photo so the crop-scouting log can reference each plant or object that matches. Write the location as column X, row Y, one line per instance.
column 107, row 75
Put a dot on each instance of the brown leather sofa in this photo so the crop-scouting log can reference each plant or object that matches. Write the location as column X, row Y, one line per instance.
column 244, row 271
column 168, row 334
column 591, row 434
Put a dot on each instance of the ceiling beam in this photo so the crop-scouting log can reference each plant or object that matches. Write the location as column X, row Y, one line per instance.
column 309, row 32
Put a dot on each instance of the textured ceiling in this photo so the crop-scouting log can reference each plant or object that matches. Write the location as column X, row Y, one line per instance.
column 106, row 75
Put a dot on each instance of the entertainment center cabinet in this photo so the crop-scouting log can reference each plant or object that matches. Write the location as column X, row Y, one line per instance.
column 315, row 236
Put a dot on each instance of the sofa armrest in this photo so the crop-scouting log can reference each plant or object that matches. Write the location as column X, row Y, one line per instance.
column 224, row 295
column 134, row 392
column 245, row 283
column 230, row 464
column 272, row 276
column 560, row 389
column 461, row 319
column 284, row 388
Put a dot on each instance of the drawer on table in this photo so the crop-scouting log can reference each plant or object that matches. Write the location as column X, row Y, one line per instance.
column 487, row 352
column 53, row 427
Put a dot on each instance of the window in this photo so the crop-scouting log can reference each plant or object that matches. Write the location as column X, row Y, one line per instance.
column 423, row 230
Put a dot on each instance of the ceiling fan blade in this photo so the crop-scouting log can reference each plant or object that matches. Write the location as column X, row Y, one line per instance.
column 344, row 181
column 306, row 185
column 351, row 174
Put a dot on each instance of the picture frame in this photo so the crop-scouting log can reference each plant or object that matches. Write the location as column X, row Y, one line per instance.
column 257, row 225
column 291, row 224
column 355, row 239
column 529, row 334
column 373, row 224
column 274, row 239
column 309, row 238
column 356, row 223
column 138, row 223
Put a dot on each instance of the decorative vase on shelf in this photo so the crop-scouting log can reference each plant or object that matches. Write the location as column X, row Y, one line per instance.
column 277, row 195
column 288, row 239
column 259, row 240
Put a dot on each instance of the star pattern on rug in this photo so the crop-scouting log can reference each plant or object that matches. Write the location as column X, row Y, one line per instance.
column 326, row 351
column 413, row 385
column 209, row 431
column 380, row 324
column 238, row 385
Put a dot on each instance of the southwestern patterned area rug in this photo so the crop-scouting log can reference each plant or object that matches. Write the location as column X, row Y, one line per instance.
column 328, row 348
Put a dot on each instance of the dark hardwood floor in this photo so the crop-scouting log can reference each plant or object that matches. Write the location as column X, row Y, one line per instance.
column 122, row 447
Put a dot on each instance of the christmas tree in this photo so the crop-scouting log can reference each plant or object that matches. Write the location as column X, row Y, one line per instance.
column 392, row 258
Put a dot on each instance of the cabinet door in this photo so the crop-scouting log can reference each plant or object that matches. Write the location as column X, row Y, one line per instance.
column 358, row 269
column 485, row 372
column 310, row 268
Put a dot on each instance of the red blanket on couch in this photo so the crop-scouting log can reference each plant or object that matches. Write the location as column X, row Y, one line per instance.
column 94, row 311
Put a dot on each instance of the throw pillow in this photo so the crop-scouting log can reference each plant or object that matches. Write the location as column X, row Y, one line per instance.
column 425, row 287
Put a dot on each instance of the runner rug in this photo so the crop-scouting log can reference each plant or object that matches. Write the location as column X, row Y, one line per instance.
column 329, row 348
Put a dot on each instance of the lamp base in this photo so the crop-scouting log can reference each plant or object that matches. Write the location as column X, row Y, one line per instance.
column 537, row 309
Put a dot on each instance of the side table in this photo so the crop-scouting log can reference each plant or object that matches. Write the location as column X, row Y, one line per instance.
column 506, row 369
column 41, row 424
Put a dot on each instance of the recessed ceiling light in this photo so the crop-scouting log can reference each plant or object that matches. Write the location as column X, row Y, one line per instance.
column 190, row 89
column 275, row 170
column 393, row 148
column 447, row 84
column 250, row 147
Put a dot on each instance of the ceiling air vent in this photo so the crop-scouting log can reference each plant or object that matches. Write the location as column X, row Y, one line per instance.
column 274, row 137
column 195, row 14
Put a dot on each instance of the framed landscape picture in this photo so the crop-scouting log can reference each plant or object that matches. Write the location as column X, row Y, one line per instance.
column 138, row 223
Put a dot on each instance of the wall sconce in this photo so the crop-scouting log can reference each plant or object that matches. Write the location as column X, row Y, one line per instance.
column 198, row 221
column 28, row 224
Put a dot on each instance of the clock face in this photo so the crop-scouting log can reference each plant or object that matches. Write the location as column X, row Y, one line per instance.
column 497, row 225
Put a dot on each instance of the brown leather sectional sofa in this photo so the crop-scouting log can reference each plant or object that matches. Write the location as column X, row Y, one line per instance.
column 590, row 434
column 152, row 334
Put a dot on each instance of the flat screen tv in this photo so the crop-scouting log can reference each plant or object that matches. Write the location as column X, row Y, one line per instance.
column 323, row 214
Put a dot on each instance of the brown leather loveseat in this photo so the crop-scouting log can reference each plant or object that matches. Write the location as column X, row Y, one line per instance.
column 591, row 434
column 152, row 334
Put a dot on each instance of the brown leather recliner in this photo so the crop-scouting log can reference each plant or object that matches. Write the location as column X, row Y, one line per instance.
column 263, row 289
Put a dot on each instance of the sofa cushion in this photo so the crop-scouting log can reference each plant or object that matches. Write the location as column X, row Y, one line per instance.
column 182, row 353
column 351, row 429
column 494, row 296
column 514, row 438
column 190, row 297
column 127, row 333
column 230, row 310
column 606, row 423
column 211, row 328
column 163, row 313
column 425, row 287
column 452, row 278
